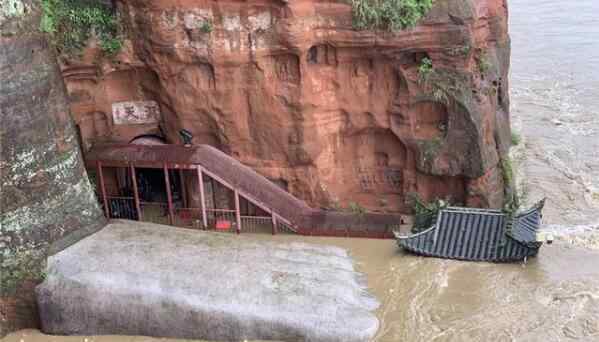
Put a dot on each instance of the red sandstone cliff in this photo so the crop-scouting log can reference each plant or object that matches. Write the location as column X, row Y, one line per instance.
column 333, row 114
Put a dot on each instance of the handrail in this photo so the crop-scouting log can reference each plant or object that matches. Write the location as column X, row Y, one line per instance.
column 120, row 197
column 221, row 210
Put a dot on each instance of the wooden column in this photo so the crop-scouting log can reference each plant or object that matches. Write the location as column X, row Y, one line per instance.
column 202, row 197
column 135, row 192
column 103, row 190
column 169, row 196
column 274, row 223
column 237, row 212
column 183, row 188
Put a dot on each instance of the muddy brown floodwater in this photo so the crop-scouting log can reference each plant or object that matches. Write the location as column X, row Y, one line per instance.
column 554, row 297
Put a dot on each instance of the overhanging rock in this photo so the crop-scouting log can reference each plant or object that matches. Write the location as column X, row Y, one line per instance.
column 146, row 279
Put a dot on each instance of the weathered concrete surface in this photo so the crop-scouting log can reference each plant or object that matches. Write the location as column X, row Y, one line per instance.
column 45, row 195
column 146, row 279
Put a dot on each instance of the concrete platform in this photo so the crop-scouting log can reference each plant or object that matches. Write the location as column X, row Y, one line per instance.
column 145, row 279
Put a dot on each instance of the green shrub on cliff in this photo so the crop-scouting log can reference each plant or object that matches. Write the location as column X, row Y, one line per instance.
column 425, row 68
column 507, row 170
column 70, row 23
column 356, row 208
column 391, row 15
column 425, row 214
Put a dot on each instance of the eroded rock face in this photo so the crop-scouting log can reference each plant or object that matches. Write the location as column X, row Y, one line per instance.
column 335, row 115
column 45, row 195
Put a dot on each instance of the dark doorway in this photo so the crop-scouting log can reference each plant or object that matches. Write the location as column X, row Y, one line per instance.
column 153, row 197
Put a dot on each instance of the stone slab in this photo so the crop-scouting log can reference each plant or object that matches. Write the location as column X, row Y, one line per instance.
column 145, row 279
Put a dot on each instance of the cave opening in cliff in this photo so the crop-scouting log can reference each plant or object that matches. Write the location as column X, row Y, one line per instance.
column 148, row 139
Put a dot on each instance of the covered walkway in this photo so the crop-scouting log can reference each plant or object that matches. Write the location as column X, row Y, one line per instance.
column 201, row 187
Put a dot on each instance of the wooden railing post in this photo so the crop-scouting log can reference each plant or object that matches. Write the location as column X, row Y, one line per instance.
column 135, row 192
column 202, row 197
column 274, row 224
column 103, row 190
column 237, row 212
column 169, row 196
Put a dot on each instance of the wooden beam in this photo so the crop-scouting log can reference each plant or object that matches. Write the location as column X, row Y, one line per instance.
column 169, row 196
column 237, row 212
column 103, row 190
column 202, row 196
column 135, row 192
column 217, row 178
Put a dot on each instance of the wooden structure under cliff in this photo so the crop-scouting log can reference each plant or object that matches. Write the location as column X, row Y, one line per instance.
column 202, row 187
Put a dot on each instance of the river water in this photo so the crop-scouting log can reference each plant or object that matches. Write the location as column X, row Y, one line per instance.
column 554, row 297
column 555, row 106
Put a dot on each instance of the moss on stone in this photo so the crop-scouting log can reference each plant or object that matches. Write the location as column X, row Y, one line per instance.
column 511, row 201
column 430, row 149
column 445, row 85
column 17, row 265
column 484, row 65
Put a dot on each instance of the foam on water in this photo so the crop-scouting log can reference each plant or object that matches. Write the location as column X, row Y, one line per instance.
column 586, row 235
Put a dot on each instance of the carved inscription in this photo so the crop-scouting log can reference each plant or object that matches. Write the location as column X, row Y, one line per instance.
column 380, row 179
column 135, row 112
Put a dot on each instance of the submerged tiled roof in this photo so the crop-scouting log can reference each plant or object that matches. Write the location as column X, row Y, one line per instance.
column 525, row 225
column 478, row 235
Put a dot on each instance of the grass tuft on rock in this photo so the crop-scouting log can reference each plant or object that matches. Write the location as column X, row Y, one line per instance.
column 516, row 138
